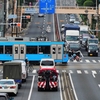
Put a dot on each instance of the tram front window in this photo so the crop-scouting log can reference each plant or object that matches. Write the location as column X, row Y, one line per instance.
column 8, row 49
column 31, row 50
column 1, row 49
column 44, row 49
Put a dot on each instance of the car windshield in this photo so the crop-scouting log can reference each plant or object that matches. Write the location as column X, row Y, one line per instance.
column 74, row 46
column 72, row 38
column 6, row 82
column 2, row 98
column 93, row 41
column 47, row 63
column 93, row 47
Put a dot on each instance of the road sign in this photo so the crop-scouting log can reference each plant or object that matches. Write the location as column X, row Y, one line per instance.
column 12, row 16
column 30, row 10
column 47, row 6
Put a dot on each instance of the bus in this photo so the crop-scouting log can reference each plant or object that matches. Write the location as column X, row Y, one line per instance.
column 19, row 48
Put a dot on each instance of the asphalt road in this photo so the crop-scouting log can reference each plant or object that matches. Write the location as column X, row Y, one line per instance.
column 39, row 25
column 85, row 75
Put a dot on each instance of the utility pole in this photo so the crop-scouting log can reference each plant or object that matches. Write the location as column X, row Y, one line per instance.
column 4, row 28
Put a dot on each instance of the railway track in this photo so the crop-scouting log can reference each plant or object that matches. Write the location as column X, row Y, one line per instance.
column 66, row 87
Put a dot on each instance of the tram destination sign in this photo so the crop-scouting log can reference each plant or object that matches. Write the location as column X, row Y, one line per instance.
column 47, row 6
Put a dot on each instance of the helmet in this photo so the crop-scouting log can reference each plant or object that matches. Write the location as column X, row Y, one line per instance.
column 74, row 55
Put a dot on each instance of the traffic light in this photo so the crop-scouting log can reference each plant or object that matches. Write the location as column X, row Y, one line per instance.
column 15, row 24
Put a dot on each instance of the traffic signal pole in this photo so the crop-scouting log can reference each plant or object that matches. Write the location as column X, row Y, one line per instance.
column 4, row 28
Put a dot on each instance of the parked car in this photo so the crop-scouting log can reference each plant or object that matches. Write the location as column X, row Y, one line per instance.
column 93, row 49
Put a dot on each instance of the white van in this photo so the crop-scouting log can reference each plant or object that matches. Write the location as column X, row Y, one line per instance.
column 24, row 69
column 47, row 63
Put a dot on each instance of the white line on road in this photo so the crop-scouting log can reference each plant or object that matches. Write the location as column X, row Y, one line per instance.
column 30, row 93
column 86, row 72
column 60, row 88
column 73, row 87
column 98, row 60
column 70, row 71
column 79, row 72
column 34, row 71
column 94, row 61
column 87, row 61
column 93, row 73
column 99, row 85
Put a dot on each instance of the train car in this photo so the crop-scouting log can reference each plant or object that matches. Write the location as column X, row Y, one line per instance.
column 19, row 48
column 47, row 79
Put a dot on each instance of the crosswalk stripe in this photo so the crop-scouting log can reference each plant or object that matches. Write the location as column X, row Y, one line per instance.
column 63, row 70
column 86, row 72
column 74, row 61
column 87, row 61
column 98, row 60
column 93, row 71
column 34, row 71
column 79, row 72
column 70, row 71
column 94, row 61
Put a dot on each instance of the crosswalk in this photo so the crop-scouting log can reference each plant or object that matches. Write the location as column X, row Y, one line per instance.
column 75, row 71
column 85, row 61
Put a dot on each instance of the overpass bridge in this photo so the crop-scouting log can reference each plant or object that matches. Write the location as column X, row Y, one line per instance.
column 59, row 10
column 68, row 9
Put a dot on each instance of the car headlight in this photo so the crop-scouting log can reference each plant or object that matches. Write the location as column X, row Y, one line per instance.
column 96, row 50
column 88, row 50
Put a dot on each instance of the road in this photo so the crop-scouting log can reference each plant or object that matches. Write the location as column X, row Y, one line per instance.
column 38, row 26
column 85, row 75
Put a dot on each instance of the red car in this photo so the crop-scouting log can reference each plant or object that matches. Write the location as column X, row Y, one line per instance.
column 47, row 79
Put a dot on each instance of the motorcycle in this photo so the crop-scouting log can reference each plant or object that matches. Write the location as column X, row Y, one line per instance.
column 75, row 57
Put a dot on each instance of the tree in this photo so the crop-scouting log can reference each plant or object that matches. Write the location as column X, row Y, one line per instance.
column 88, row 3
column 80, row 2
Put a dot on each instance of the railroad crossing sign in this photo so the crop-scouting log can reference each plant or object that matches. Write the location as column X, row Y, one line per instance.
column 47, row 6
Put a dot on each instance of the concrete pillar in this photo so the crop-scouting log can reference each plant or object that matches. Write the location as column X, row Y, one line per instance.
column 90, row 18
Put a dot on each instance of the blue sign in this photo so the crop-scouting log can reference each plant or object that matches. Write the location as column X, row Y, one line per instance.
column 12, row 16
column 30, row 10
column 47, row 6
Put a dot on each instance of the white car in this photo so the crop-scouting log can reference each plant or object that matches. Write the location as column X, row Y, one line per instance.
column 72, row 19
column 8, row 86
column 47, row 63
column 40, row 15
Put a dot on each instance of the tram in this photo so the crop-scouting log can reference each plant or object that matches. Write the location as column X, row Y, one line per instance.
column 18, row 48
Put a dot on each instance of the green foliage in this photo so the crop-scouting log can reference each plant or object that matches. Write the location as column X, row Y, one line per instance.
column 80, row 2
column 88, row 3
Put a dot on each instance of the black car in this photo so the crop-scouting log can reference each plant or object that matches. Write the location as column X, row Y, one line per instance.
column 93, row 49
column 73, row 48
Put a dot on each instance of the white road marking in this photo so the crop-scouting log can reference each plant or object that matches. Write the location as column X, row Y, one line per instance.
column 70, row 71
column 79, row 72
column 94, row 61
column 86, row 72
column 60, row 88
column 98, row 60
column 81, row 60
column 74, row 61
column 76, row 98
column 30, row 93
column 34, row 71
column 63, row 70
column 81, row 54
column 93, row 73
column 99, row 85
column 87, row 61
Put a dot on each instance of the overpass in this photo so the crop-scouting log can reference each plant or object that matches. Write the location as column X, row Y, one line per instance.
column 68, row 9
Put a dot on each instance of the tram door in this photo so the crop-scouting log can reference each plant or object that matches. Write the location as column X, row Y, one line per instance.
column 56, row 51
column 19, row 51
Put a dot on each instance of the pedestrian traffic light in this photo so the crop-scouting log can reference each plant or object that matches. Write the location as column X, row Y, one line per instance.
column 15, row 24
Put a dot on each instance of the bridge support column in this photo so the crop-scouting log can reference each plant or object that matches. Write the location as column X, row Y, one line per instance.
column 90, row 19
